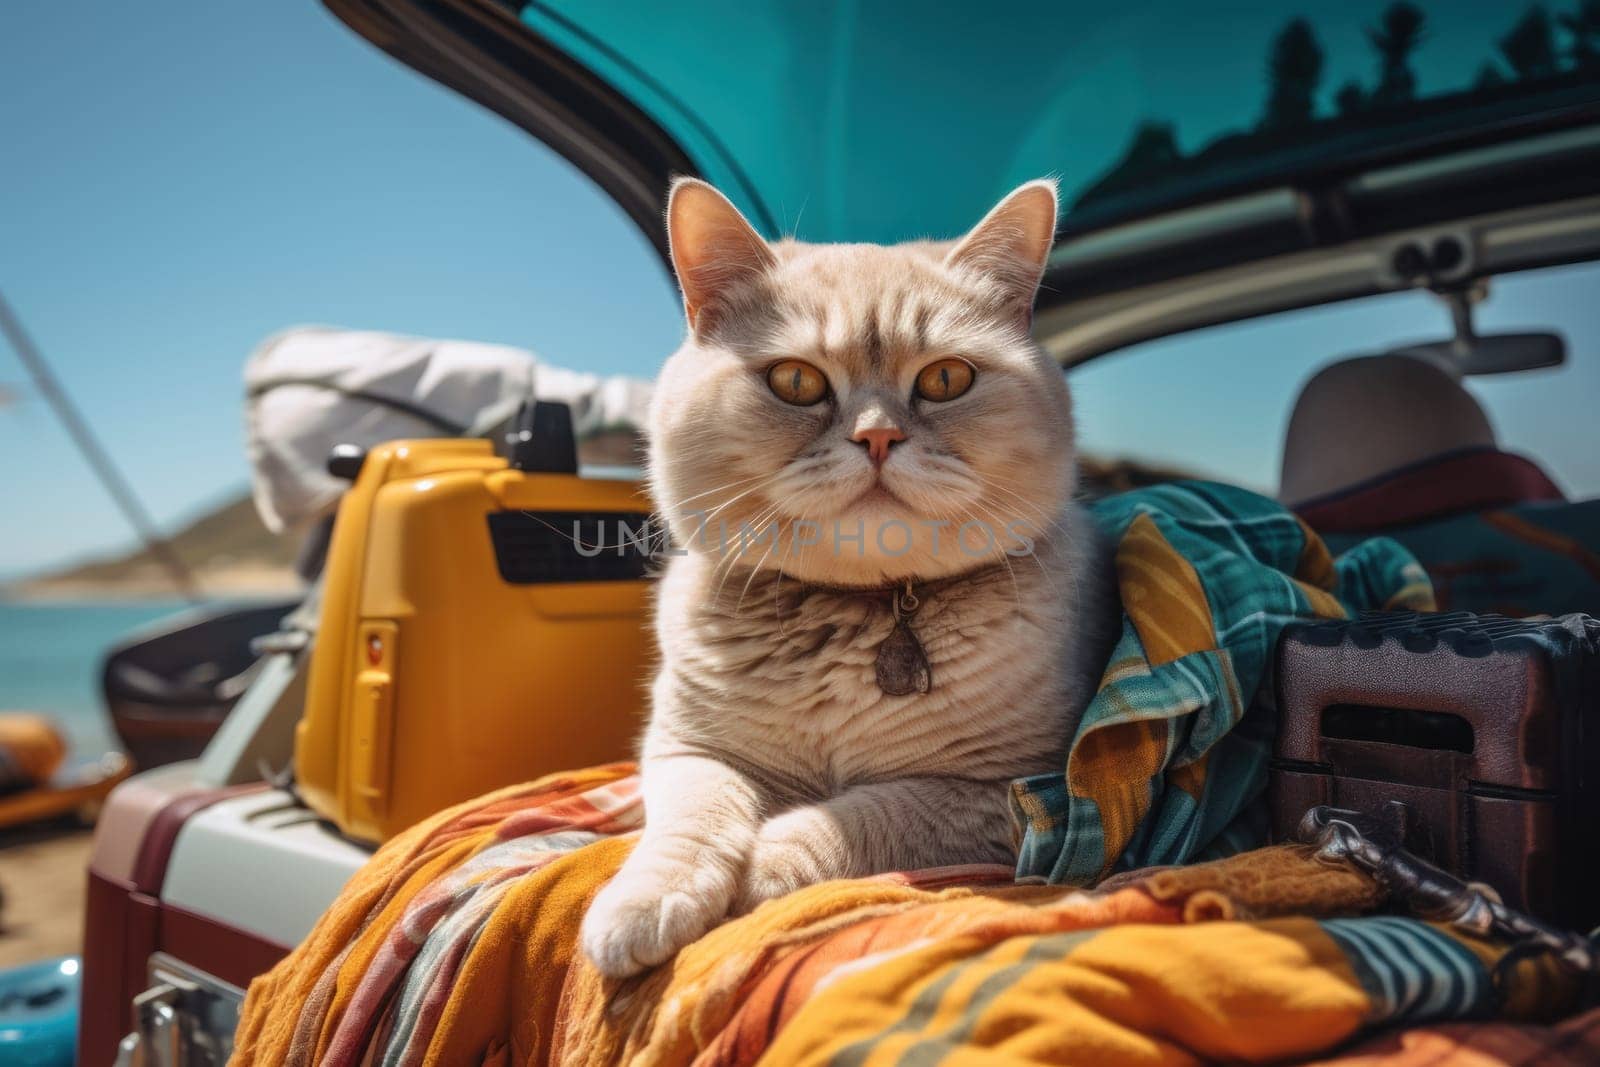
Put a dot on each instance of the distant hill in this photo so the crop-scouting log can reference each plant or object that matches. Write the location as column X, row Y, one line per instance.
column 230, row 552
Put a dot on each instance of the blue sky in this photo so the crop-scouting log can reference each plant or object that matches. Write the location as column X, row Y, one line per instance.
column 186, row 177
column 183, row 178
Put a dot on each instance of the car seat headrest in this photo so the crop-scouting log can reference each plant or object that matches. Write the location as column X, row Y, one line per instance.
column 1361, row 418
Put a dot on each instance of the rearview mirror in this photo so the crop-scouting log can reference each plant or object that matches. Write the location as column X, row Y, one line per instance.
column 1495, row 353
column 1470, row 352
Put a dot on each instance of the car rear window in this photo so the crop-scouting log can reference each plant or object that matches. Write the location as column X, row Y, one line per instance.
column 887, row 121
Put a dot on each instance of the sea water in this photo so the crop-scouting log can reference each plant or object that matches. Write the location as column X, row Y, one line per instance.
column 50, row 660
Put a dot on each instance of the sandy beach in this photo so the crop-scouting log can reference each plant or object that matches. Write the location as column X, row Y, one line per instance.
column 234, row 581
column 42, row 877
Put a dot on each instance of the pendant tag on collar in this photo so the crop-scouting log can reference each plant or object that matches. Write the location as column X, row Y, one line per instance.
column 902, row 664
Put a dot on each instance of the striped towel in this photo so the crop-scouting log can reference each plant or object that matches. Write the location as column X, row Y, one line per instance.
column 456, row 945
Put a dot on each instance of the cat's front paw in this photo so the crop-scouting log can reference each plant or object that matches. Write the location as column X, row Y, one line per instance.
column 643, row 917
column 789, row 855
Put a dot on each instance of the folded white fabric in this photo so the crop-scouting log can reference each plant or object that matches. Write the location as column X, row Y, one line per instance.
column 310, row 388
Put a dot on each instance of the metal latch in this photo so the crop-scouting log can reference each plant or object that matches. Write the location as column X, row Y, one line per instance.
column 185, row 1018
column 1373, row 844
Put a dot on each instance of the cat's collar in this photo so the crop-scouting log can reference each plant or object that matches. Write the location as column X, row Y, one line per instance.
column 901, row 667
column 917, row 588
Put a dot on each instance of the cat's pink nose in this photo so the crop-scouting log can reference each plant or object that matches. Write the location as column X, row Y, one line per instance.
column 878, row 441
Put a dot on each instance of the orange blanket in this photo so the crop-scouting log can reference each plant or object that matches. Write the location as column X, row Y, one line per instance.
column 456, row 945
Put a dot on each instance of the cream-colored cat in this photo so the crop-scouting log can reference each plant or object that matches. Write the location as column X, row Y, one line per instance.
column 887, row 605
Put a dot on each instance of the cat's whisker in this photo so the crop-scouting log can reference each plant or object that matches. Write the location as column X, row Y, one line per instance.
column 720, row 571
column 581, row 545
column 777, row 593
column 764, row 516
column 778, row 534
column 1006, row 559
column 706, row 516
column 718, row 489
column 1067, row 544
column 794, row 231
column 996, row 483
column 1034, row 555
column 1058, row 524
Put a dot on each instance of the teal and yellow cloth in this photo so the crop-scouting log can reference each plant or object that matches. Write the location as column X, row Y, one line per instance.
column 1170, row 758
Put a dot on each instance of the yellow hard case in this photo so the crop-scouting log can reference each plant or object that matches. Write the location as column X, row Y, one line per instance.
column 435, row 678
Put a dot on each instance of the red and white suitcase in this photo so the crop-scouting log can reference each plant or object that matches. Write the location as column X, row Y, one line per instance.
column 194, row 889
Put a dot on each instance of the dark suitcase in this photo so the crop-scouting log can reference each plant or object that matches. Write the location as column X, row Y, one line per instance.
column 1484, row 729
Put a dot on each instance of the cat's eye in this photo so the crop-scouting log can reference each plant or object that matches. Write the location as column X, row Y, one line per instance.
column 944, row 379
column 797, row 383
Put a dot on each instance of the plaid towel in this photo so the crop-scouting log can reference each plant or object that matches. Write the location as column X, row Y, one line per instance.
column 1167, row 766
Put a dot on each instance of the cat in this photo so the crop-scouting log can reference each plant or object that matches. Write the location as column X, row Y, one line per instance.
column 884, row 603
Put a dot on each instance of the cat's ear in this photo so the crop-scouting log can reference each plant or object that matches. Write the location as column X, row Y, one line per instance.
column 714, row 249
column 1012, row 243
